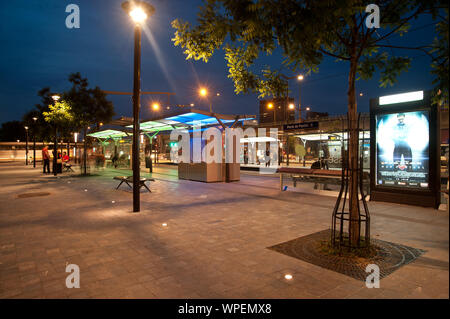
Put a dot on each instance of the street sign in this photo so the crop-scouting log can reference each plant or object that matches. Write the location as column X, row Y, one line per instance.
column 300, row 126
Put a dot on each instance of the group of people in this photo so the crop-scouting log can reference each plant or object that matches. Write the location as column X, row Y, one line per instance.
column 61, row 159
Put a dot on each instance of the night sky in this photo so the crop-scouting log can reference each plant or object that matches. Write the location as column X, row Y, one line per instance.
column 38, row 51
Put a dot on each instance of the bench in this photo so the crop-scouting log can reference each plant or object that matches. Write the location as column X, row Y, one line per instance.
column 320, row 176
column 129, row 180
column 67, row 167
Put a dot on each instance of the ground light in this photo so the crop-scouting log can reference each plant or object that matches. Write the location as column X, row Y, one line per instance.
column 288, row 277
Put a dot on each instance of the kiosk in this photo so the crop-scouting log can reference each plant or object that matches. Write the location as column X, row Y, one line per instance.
column 404, row 157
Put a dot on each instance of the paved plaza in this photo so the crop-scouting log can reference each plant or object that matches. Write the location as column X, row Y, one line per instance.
column 192, row 239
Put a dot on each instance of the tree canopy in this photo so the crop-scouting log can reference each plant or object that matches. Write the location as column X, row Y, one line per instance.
column 60, row 114
column 306, row 32
column 89, row 105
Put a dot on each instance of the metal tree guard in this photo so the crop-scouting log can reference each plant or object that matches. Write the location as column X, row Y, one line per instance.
column 341, row 214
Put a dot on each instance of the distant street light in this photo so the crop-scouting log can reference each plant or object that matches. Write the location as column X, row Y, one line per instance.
column 139, row 11
column 203, row 92
column 55, row 98
column 300, row 79
column 291, row 106
column 155, row 106
column 270, row 106
column 26, row 146
column 34, row 141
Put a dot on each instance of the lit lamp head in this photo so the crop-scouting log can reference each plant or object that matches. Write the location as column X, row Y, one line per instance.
column 139, row 11
column 270, row 106
column 203, row 92
column 155, row 106
column 291, row 106
column 308, row 108
column 26, row 127
column 300, row 77
column 55, row 97
column 35, row 119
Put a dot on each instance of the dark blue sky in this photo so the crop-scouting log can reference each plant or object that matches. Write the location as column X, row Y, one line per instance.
column 38, row 50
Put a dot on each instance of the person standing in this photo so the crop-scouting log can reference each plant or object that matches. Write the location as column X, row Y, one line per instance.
column 46, row 159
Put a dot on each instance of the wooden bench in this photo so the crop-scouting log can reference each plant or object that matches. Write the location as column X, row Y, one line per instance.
column 311, row 175
column 129, row 180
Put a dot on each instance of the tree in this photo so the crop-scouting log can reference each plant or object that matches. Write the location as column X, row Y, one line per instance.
column 12, row 131
column 306, row 32
column 89, row 106
column 59, row 116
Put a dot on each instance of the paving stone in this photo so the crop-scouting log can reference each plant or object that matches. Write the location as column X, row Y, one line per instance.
column 213, row 247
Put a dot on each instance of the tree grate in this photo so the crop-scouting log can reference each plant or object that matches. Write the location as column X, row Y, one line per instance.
column 389, row 256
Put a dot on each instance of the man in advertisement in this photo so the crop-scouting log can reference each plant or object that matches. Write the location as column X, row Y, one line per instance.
column 402, row 150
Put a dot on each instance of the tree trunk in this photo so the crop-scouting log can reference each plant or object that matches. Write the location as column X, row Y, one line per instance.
column 353, row 141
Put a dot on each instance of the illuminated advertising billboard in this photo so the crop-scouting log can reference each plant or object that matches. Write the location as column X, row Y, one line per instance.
column 404, row 157
column 402, row 141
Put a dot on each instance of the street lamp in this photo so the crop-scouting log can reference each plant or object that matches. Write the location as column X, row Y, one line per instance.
column 139, row 11
column 270, row 106
column 55, row 98
column 34, row 142
column 75, row 139
column 300, row 79
column 203, row 92
column 155, row 106
column 26, row 146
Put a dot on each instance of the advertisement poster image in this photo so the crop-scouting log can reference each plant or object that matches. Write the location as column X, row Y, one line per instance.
column 402, row 149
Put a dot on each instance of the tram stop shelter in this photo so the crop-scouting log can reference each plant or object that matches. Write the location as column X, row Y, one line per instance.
column 186, row 119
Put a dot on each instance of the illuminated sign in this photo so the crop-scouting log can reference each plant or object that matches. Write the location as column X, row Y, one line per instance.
column 402, row 141
column 401, row 98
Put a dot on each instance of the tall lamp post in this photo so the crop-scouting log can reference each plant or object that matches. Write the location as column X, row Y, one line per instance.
column 300, row 79
column 55, row 98
column 270, row 106
column 138, row 11
column 34, row 141
column 75, row 139
column 26, row 146
column 203, row 92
